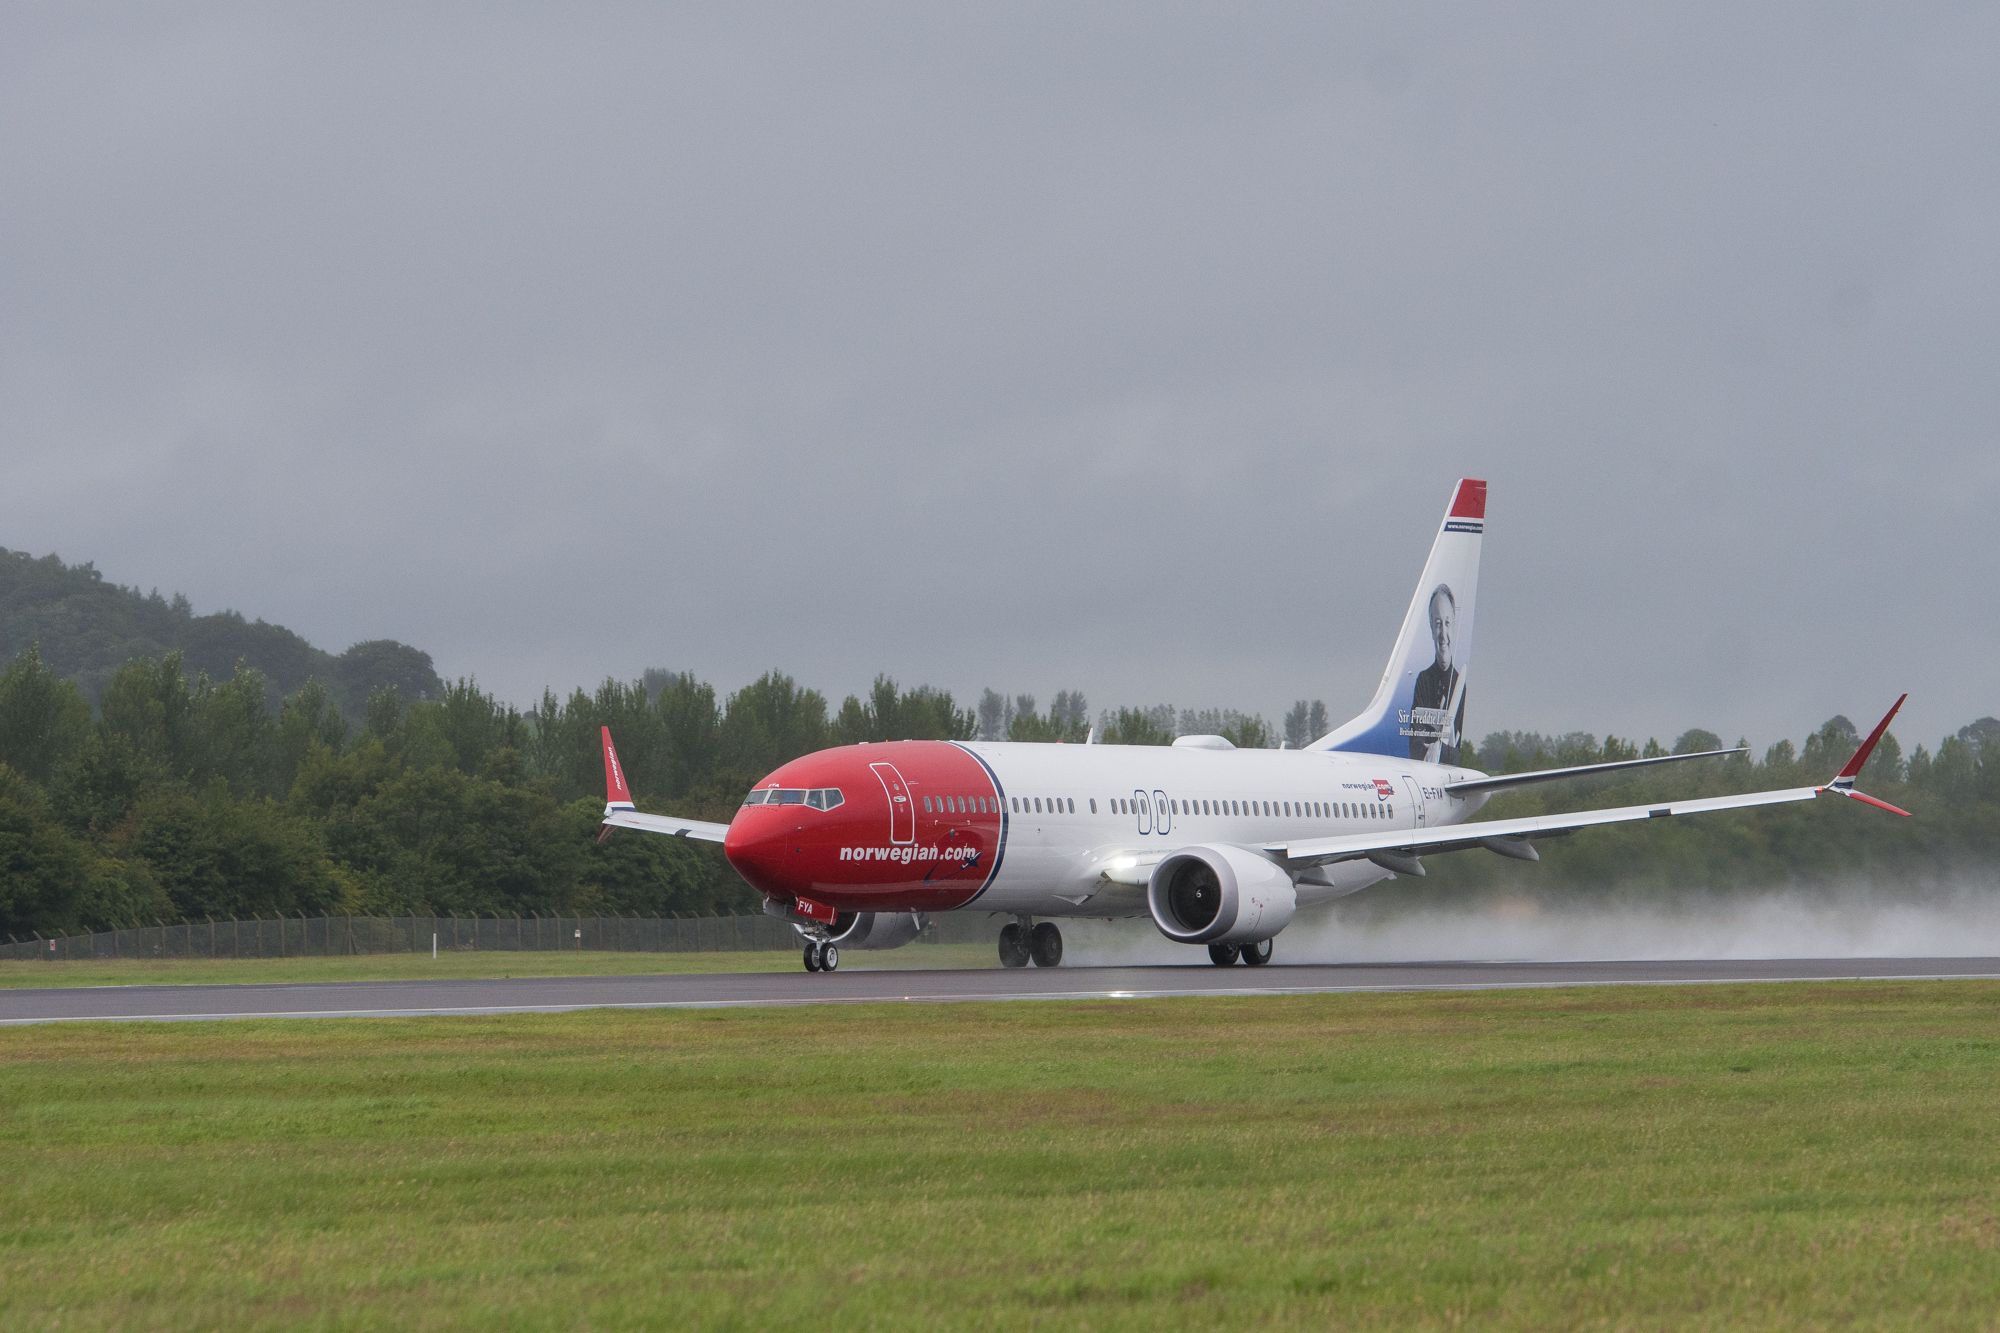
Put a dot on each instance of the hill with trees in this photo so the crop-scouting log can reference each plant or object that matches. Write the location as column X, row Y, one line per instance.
column 86, row 629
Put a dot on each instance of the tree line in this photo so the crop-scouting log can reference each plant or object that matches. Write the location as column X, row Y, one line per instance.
column 180, row 795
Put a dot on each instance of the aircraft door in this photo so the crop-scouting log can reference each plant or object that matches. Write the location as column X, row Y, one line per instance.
column 1416, row 795
column 1144, row 808
column 902, row 814
column 1163, row 813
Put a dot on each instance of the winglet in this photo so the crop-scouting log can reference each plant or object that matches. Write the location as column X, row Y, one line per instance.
column 617, row 796
column 1843, row 781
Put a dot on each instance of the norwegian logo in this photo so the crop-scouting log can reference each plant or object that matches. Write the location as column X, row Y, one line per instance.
column 1383, row 789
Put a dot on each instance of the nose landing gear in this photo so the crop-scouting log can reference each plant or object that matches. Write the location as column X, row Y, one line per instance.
column 1022, row 942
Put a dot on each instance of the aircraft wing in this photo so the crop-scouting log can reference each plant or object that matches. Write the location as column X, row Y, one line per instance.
column 1398, row 849
column 1579, row 771
column 1509, row 837
column 619, row 811
column 698, row 829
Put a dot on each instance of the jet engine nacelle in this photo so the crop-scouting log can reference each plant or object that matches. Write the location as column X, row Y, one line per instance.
column 1220, row 895
column 873, row 930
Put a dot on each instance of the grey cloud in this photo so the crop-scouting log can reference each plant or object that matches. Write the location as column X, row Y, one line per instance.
column 1132, row 349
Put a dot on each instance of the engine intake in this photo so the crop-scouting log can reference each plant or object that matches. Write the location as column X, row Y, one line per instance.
column 1220, row 895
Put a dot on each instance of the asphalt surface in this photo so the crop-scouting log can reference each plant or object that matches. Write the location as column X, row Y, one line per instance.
column 355, row 999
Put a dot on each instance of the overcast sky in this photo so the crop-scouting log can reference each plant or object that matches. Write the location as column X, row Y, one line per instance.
column 1132, row 349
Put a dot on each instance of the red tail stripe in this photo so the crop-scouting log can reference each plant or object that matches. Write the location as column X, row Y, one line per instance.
column 1853, row 768
column 1469, row 501
column 615, row 790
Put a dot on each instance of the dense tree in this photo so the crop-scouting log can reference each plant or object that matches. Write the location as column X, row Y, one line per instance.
column 769, row 721
column 43, row 718
column 196, row 795
column 892, row 714
column 995, row 712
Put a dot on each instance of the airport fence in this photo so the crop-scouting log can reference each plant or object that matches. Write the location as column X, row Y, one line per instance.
column 330, row 936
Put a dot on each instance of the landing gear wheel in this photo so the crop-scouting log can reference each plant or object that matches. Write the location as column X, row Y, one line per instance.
column 829, row 957
column 1045, row 944
column 1223, row 955
column 812, row 956
column 1013, row 945
column 1258, row 954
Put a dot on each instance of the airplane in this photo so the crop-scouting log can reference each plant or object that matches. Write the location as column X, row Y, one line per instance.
column 857, row 846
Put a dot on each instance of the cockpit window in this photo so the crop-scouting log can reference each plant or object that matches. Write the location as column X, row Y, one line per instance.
column 819, row 798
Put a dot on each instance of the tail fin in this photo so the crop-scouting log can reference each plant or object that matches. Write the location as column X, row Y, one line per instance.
column 1418, row 711
column 617, row 795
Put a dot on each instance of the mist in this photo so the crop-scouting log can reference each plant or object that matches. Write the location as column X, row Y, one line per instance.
column 1959, row 919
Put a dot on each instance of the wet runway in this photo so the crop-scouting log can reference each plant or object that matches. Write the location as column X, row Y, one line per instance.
column 356, row 999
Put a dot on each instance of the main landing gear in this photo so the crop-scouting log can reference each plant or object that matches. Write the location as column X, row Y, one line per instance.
column 822, row 956
column 1022, row 943
column 1253, row 955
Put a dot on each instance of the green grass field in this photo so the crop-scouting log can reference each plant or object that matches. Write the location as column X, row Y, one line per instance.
column 454, row 965
column 1776, row 1156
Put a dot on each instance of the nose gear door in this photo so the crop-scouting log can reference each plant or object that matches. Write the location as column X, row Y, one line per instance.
column 902, row 815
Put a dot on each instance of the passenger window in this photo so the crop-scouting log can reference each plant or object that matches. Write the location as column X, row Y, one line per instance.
column 1069, row 803
column 1093, row 805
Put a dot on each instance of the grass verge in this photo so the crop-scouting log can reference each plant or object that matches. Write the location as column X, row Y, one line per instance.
column 1781, row 1156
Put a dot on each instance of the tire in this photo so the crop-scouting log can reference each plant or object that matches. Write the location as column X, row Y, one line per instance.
column 812, row 958
column 829, row 958
column 1258, row 954
column 1013, row 945
column 1045, row 944
column 1223, row 955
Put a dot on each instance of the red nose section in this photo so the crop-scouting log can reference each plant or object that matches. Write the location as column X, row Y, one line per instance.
column 759, row 849
column 904, row 826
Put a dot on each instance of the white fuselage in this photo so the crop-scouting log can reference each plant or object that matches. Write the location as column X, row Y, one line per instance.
column 1074, row 811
